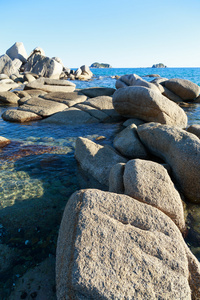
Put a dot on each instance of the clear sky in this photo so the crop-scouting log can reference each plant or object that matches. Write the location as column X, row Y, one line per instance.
column 123, row 33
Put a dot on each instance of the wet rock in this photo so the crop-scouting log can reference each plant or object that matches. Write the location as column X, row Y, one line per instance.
column 148, row 105
column 97, row 160
column 7, row 257
column 180, row 149
column 112, row 246
column 4, row 141
column 51, row 85
column 20, row 116
column 37, row 283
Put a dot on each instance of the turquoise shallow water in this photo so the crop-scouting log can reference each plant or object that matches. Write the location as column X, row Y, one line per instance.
column 39, row 173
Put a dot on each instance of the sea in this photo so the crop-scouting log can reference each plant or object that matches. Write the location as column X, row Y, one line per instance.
column 39, row 173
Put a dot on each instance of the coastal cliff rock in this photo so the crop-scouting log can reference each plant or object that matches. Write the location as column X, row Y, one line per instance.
column 112, row 246
column 160, row 65
column 180, row 149
column 148, row 105
column 100, row 65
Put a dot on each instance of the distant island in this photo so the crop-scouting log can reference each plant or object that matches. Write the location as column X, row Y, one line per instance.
column 160, row 65
column 100, row 65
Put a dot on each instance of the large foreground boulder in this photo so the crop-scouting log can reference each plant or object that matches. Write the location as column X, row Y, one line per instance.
column 148, row 105
column 180, row 149
column 112, row 246
column 97, row 160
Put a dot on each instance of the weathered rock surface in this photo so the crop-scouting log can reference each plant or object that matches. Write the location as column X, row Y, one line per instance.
column 195, row 129
column 43, row 66
column 97, row 160
column 9, row 97
column 185, row 89
column 128, row 143
column 180, row 149
column 7, row 257
column 97, row 91
column 71, row 116
column 98, row 114
column 149, row 182
column 131, row 121
column 148, row 105
column 134, row 80
column 104, row 104
column 20, row 116
column 116, row 182
column 17, row 51
column 51, row 85
column 9, row 66
column 31, row 93
column 111, row 246
column 69, row 99
column 42, row 107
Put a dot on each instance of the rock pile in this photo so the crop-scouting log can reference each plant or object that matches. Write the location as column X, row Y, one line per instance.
column 126, row 242
column 16, row 67
column 123, row 240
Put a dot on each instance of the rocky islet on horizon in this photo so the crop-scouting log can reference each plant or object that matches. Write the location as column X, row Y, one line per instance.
column 123, row 240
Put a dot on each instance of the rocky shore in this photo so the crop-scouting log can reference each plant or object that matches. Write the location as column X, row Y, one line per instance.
column 124, row 236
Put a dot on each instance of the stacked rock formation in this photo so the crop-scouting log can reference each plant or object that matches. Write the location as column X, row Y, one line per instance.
column 125, row 241
column 16, row 67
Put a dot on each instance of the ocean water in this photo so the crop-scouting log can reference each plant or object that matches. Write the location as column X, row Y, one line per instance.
column 39, row 173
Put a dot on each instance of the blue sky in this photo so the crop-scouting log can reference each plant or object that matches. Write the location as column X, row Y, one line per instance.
column 126, row 33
